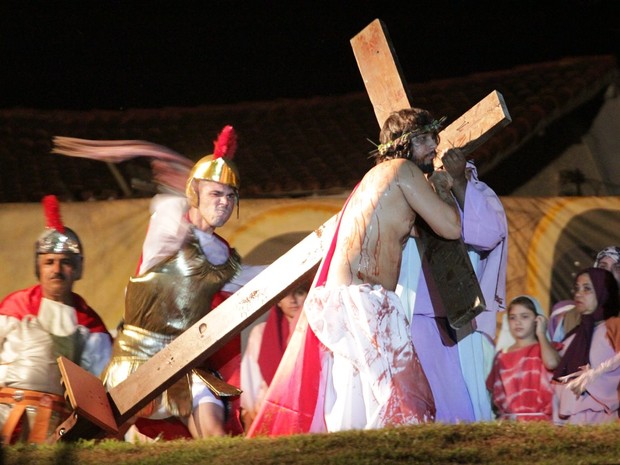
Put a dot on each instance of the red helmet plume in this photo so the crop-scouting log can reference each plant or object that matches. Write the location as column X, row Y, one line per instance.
column 51, row 208
column 226, row 143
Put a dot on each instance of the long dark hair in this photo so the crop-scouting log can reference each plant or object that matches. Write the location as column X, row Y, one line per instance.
column 396, row 125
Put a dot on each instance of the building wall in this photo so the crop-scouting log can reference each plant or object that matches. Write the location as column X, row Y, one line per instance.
column 543, row 233
column 596, row 157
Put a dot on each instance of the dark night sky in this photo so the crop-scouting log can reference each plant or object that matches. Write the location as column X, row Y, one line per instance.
column 137, row 54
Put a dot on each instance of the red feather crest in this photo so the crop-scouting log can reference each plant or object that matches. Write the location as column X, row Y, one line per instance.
column 226, row 143
column 51, row 208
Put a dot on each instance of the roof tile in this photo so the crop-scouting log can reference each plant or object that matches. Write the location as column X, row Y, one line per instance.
column 286, row 147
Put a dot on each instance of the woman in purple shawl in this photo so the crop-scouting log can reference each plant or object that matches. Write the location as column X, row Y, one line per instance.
column 588, row 375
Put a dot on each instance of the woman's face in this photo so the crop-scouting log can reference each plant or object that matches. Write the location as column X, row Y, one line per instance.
column 584, row 295
column 609, row 264
column 293, row 302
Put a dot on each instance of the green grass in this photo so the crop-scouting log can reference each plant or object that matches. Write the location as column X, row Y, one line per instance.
column 482, row 443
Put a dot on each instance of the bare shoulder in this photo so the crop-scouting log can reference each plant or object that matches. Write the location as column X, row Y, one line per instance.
column 399, row 171
column 390, row 179
column 401, row 166
column 395, row 168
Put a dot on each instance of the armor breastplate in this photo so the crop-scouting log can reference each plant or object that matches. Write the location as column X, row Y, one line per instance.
column 177, row 292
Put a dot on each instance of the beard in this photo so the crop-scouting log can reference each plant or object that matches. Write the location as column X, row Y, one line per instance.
column 426, row 168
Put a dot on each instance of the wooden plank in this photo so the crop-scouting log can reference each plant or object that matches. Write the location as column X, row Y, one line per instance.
column 380, row 70
column 454, row 281
column 385, row 84
column 210, row 333
column 87, row 396
column 477, row 125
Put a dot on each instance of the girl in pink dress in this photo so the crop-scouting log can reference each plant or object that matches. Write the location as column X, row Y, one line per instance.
column 520, row 380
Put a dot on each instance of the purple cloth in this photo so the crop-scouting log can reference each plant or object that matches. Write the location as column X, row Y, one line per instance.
column 599, row 403
column 485, row 232
column 440, row 362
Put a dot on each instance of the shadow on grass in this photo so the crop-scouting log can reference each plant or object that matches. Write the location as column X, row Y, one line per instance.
column 65, row 454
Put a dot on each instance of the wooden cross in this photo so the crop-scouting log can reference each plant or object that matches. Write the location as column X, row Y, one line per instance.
column 96, row 412
column 453, row 275
column 388, row 92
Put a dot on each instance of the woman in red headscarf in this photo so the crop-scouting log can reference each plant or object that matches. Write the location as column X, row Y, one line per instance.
column 266, row 344
column 588, row 375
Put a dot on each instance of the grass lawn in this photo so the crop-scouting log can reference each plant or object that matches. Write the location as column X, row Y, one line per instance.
column 484, row 443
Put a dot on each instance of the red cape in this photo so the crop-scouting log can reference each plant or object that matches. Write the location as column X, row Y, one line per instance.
column 292, row 397
column 27, row 302
column 273, row 343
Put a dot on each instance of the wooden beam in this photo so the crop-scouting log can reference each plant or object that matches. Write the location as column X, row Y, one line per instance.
column 380, row 70
column 386, row 87
column 477, row 125
column 91, row 411
column 300, row 263
column 89, row 401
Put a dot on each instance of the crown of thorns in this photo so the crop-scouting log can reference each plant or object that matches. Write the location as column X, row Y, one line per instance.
column 404, row 139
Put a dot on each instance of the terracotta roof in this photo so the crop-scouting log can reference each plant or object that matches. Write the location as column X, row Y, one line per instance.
column 286, row 147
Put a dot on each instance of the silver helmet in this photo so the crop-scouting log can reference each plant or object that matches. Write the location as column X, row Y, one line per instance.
column 57, row 238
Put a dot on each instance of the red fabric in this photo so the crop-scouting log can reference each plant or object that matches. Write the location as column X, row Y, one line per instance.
column 167, row 429
column 521, row 385
column 613, row 333
column 27, row 302
column 140, row 260
column 227, row 362
column 292, row 397
column 273, row 343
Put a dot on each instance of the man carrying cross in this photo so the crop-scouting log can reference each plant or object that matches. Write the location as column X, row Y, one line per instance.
column 446, row 290
column 352, row 364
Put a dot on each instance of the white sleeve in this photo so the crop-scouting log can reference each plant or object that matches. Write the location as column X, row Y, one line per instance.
column 167, row 229
column 252, row 382
column 7, row 324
